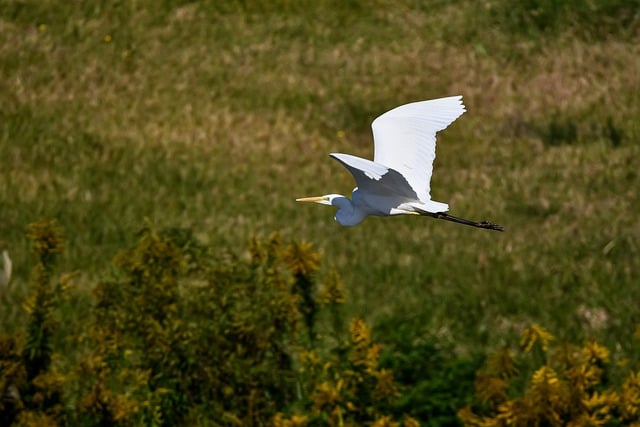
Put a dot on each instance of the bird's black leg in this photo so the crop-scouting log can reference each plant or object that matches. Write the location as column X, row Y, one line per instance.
column 482, row 224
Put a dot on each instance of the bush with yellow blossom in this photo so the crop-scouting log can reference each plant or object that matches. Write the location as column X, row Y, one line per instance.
column 31, row 388
column 185, row 334
column 569, row 387
column 182, row 334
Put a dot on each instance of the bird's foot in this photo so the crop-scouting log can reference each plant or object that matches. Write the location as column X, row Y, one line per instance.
column 490, row 226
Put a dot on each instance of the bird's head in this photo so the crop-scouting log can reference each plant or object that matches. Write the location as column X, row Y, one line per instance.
column 327, row 199
column 347, row 214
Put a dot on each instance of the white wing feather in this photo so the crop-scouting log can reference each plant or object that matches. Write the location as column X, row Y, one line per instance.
column 359, row 166
column 405, row 138
column 375, row 179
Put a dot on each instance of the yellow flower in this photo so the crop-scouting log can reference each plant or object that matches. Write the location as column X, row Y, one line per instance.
column 298, row 420
column 301, row 258
column 295, row 421
column 310, row 358
column 385, row 422
column 411, row 422
column 385, row 388
column 548, row 394
column 325, row 394
column 491, row 389
column 636, row 334
column 509, row 413
column 46, row 237
column 107, row 38
column 360, row 334
column 371, row 359
column 601, row 402
column 333, row 291
column 595, row 353
column 535, row 333
column 584, row 376
column 362, row 352
column 468, row 417
column 28, row 304
column 340, row 134
column 588, row 420
column 630, row 396
column 502, row 364
column 544, row 376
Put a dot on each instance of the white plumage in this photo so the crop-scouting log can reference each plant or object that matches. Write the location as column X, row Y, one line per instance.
column 398, row 179
column 405, row 138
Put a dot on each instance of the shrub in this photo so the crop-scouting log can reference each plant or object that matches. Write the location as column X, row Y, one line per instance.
column 183, row 334
column 569, row 385
column 30, row 388
column 434, row 382
column 178, row 339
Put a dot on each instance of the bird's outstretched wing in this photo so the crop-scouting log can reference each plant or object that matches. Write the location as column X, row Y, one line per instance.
column 405, row 138
column 376, row 179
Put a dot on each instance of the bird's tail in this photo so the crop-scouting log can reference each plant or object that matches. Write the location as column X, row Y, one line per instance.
column 430, row 206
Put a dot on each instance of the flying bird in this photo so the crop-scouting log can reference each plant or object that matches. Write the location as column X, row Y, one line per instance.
column 397, row 181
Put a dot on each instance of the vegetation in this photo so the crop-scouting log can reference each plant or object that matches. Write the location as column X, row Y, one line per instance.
column 209, row 118
column 571, row 387
column 178, row 339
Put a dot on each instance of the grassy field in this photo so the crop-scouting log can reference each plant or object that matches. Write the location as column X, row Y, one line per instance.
column 215, row 116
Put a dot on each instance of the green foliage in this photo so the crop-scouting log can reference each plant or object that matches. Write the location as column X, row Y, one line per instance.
column 303, row 262
column 185, row 335
column 434, row 382
column 567, row 385
column 137, row 336
column 232, row 342
column 182, row 335
column 221, row 341
column 13, row 377
column 31, row 388
column 349, row 386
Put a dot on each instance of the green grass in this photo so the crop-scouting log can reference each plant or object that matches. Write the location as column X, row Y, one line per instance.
column 215, row 116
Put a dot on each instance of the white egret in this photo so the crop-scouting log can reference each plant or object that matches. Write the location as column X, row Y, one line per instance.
column 397, row 181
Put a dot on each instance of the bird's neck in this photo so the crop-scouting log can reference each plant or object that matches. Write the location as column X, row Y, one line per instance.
column 347, row 213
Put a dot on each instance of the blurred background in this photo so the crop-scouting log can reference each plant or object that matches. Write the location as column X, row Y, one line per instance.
column 213, row 116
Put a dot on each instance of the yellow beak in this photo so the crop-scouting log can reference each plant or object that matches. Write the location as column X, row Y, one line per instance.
column 310, row 199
